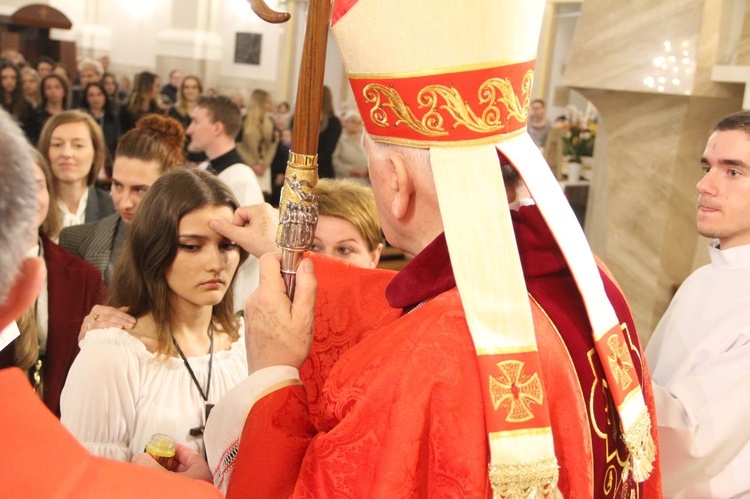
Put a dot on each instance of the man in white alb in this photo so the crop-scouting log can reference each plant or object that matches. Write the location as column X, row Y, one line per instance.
column 699, row 354
column 215, row 121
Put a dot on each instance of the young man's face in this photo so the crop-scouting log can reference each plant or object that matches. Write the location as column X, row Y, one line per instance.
column 201, row 129
column 724, row 191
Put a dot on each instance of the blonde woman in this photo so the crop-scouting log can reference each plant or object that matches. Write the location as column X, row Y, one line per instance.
column 348, row 226
column 257, row 146
column 190, row 89
column 73, row 144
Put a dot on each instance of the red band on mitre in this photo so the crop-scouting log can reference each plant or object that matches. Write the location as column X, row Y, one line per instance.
column 476, row 105
column 513, row 391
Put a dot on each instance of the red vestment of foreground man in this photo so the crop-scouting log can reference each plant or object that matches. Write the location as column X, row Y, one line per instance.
column 391, row 402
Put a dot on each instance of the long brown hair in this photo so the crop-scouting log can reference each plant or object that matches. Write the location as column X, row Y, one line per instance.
column 95, row 131
column 15, row 103
column 27, row 344
column 66, row 89
column 181, row 104
column 140, row 100
column 139, row 280
column 256, row 110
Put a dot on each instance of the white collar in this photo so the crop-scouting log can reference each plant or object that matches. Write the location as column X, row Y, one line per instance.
column 732, row 258
column 69, row 218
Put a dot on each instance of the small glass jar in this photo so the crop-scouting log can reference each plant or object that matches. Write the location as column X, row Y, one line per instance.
column 161, row 448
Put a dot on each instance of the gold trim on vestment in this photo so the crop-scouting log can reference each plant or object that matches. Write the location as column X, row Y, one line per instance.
column 274, row 388
column 582, row 397
column 636, row 392
column 527, row 480
column 506, row 350
column 440, row 71
column 497, row 435
column 426, row 144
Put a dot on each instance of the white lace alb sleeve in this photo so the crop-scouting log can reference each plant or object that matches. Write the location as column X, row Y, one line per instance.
column 224, row 427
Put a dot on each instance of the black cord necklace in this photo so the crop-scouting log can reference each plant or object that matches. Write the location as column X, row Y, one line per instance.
column 198, row 431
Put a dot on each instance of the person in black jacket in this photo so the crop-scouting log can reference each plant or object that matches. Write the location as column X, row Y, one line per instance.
column 99, row 105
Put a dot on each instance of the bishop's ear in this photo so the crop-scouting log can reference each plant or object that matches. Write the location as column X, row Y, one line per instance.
column 401, row 184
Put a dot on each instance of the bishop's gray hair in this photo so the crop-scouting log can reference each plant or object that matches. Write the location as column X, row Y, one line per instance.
column 17, row 201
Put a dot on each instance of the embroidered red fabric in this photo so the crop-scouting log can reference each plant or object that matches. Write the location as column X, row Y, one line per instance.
column 392, row 403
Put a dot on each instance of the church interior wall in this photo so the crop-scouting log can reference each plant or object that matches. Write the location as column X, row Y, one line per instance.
column 651, row 79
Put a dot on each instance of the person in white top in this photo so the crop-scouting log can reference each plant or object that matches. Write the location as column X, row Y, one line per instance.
column 215, row 121
column 72, row 143
column 186, row 349
column 350, row 157
column 700, row 352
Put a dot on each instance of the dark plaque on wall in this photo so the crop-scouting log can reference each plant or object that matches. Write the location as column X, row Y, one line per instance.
column 247, row 48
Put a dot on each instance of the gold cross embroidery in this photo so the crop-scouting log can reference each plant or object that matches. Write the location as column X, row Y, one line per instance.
column 620, row 362
column 515, row 391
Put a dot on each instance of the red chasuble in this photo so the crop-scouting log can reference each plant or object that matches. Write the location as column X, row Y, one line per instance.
column 392, row 406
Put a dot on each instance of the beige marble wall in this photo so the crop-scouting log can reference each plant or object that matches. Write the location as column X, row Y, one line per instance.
column 642, row 207
column 743, row 52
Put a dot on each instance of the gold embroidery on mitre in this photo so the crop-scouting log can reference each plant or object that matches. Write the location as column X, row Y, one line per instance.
column 493, row 93
column 620, row 362
column 515, row 391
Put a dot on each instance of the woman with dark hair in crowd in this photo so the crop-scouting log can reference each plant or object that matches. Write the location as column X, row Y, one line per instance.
column 55, row 90
column 144, row 99
column 49, row 329
column 73, row 144
column 330, row 131
column 190, row 89
column 143, row 154
column 32, row 86
column 186, row 349
column 11, row 94
column 45, row 66
column 99, row 105
column 112, row 89
column 328, row 137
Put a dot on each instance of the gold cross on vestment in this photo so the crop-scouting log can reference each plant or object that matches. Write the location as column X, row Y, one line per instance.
column 620, row 362
column 515, row 391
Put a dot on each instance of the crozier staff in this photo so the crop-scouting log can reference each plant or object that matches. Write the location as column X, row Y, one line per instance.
column 302, row 168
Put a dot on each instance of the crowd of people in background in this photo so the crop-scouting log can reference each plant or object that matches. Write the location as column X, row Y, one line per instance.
column 34, row 94
column 100, row 146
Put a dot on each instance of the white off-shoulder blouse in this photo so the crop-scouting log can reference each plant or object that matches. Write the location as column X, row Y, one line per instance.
column 118, row 394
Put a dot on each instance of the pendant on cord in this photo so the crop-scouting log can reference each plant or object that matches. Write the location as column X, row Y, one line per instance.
column 198, row 431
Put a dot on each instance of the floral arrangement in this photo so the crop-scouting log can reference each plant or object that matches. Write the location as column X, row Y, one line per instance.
column 581, row 133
